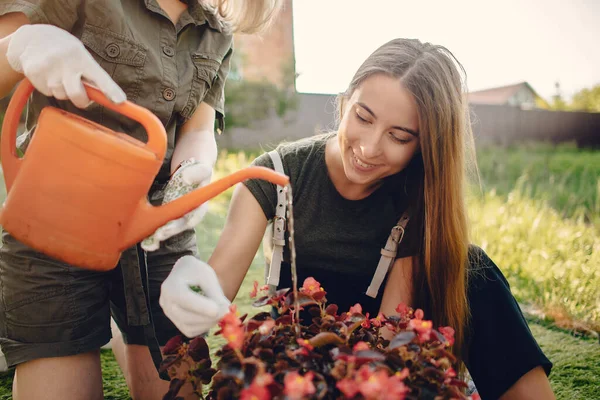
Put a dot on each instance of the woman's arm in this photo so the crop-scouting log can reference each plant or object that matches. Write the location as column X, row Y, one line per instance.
column 196, row 138
column 534, row 385
column 397, row 290
column 239, row 240
column 9, row 77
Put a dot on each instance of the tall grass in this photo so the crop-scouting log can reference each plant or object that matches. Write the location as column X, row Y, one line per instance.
column 566, row 178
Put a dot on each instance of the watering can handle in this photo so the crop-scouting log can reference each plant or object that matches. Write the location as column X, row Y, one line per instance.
column 157, row 141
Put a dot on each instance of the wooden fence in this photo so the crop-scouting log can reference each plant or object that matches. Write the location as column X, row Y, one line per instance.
column 506, row 125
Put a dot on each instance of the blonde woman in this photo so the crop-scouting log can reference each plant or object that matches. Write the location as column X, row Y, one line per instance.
column 391, row 177
column 171, row 57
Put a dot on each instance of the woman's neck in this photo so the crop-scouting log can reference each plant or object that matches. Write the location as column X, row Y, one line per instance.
column 335, row 169
column 173, row 8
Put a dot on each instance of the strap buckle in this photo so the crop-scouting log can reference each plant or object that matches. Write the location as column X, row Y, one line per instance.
column 397, row 233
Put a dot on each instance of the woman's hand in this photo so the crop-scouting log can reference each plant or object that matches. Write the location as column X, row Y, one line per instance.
column 193, row 313
column 56, row 62
column 190, row 175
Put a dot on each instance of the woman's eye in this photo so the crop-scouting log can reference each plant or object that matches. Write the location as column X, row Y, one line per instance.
column 361, row 118
column 398, row 140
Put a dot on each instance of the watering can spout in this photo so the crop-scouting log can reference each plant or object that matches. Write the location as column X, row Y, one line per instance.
column 148, row 218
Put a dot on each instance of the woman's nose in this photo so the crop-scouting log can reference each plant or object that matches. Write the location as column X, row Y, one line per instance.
column 370, row 147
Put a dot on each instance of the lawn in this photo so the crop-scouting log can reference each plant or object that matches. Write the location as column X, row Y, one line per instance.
column 537, row 214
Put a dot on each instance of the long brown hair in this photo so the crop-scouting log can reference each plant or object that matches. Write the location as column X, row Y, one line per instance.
column 437, row 175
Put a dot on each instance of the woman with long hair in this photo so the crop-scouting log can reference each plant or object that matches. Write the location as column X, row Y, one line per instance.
column 380, row 219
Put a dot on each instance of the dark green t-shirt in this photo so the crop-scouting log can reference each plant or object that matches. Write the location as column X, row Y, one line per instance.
column 338, row 241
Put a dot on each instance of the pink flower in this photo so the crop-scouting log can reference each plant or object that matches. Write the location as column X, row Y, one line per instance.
column 448, row 333
column 258, row 389
column 402, row 309
column 376, row 322
column 421, row 328
column 378, row 384
column 355, row 309
column 254, row 291
column 306, row 344
column 419, row 314
column 266, row 327
column 360, row 346
column 371, row 383
column 311, row 286
column 297, row 386
column 255, row 392
column 348, row 387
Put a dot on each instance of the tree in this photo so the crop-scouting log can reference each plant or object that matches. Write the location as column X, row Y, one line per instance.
column 250, row 101
column 586, row 100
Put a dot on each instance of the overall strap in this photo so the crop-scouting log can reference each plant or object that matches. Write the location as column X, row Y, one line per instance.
column 279, row 222
column 388, row 255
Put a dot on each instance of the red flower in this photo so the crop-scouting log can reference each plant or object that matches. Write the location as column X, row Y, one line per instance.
column 255, row 392
column 421, row 328
column 376, row 322
column 402, row 309
column 298, row 386
column 258, row 389
column 360, row 346
column 306, row 344
column 366, row 323
column 311, row 286
column 448, row 333
column 348, row 387
column 232, row 328
column 254, row 291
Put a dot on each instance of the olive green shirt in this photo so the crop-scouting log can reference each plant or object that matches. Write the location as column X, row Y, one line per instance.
column 167, row 68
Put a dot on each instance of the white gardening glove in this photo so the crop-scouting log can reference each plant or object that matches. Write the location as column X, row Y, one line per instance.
column 193, row 313
column 56, row 62
column 190, row 175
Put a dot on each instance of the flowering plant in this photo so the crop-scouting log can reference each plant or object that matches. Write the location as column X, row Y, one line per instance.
column 338, row 356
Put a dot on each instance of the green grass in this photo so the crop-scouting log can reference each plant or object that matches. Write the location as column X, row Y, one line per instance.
column 539, row 224
column 566, row 178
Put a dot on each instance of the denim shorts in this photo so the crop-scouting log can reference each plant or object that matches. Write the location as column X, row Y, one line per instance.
column 51, row 309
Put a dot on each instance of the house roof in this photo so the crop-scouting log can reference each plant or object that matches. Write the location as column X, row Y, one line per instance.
column 497, row 95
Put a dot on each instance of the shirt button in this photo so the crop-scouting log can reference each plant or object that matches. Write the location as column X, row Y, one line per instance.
column 168, row 51
column 112, row 50
column 168, row 94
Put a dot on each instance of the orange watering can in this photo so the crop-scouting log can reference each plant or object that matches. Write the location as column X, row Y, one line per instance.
column 80, row 193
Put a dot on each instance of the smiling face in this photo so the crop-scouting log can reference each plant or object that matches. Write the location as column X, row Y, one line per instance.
column 379, row 131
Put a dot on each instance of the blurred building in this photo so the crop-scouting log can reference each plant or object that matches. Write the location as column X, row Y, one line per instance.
column 519, row 95
column 269, row 55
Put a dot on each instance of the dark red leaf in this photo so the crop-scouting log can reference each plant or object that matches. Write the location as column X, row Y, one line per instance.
column 319, row 295
column 363, row 356
column 168, row 362
column 263, row 301
column 173, row 345
column 174, row 387
column 331, row 309
column 325, row 338
column 198, row 349
column 401, row 339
